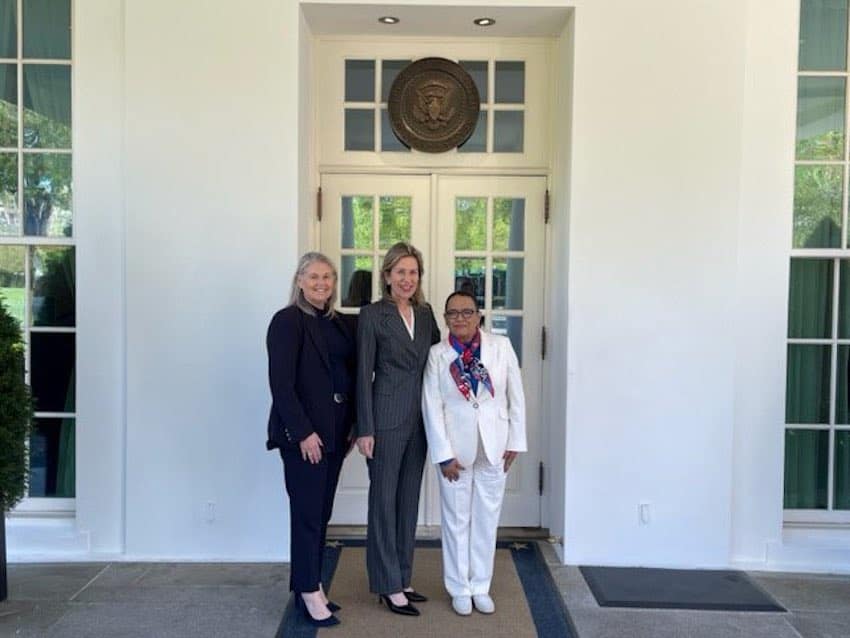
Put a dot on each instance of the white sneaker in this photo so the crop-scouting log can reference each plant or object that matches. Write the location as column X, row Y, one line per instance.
column 484, row 603
column 462, row 605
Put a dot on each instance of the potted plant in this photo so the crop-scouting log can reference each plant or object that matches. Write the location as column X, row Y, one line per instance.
column 15, row 423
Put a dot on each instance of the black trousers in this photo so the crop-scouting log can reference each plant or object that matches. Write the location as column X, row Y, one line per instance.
column 311, row 489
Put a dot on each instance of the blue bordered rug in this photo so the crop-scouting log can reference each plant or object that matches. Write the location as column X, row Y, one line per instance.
column 545, row 604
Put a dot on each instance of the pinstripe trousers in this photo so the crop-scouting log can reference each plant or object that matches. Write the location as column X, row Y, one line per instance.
column 395, row 479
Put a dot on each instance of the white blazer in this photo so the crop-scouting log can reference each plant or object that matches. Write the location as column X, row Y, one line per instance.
column 453, row 424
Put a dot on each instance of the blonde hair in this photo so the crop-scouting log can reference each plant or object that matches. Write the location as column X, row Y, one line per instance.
column 296, row 296
column 395, row 254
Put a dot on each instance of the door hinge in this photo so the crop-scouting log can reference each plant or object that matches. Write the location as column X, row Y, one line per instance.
column 540, row 479
column 543, row 342
column 546, row 207
column 319, row 204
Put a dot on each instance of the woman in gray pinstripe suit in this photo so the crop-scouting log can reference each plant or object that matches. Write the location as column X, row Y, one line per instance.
column 393, row 339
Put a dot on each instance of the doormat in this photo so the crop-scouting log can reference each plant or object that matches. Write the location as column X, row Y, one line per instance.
column 528, row 603
column 677, row 589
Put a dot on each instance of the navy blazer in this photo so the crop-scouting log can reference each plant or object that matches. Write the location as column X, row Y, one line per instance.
column 301, row 382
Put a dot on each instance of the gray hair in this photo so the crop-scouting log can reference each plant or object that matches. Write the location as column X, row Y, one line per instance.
column 296, row 296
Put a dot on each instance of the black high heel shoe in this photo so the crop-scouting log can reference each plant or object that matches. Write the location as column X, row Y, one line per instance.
column 404, row 610
column 414, row 596
column 333, row 607
column 330, row 621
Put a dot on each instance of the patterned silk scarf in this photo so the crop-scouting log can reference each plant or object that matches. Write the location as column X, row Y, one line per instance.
column 467, row 370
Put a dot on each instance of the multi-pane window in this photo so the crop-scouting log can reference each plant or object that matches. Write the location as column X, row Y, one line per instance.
column 501, row 121
column 817, row 405
column 37, row 273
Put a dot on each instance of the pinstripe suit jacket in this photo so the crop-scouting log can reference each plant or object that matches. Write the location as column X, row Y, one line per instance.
column 393, row 397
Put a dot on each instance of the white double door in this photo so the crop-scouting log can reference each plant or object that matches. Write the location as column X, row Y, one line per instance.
column 484, row 234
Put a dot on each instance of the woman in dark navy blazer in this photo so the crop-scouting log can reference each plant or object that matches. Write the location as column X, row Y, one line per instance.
column 393, row 339
column 312, row 377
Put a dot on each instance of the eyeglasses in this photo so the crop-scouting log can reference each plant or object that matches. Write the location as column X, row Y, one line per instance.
column 466, row 313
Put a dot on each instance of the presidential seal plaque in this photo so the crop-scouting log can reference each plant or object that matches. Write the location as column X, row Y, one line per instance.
column 433, row 105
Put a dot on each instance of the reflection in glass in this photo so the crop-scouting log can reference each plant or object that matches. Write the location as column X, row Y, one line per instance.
column 52, row 462
column 52, row 371
column 820, row 118
column 512, row 327
column 10, row 215
column 842, row 471
column 510, row 82
column 389, row 141
column 47, row 106
column 47, row 195
column 478, row 71
column 471, row 223
column 47, row 29
column 356, row 221
column 806, row 463
column 508, row 131
column 471, row 277
column 13, row 280
column 389, row 70
column 508, row 224
column 844, row 299
column 8, row 29
column 359, row 130
column 823, row 35
column 810, row 299
column 53, row 297
column 356, row 280
column 395, row 220
column 817, row 206
column 842, row 409
column 507, row 283
column 359, row 80
column 477, row 142
column 807, row 384
column 8, row 105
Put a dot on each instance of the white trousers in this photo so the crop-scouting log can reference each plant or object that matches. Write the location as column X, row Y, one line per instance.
column 470, row 507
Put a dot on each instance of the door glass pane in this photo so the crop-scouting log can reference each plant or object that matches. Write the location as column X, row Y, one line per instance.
column 471, row 223
column 359, row 130
column 512, row 328
column 844, row 299
column 478, row 71
column 817, row 206
column 10, row 215
column 13, row 280
column 395, row 220
column 810, row 298
column 52, row 458
column 359, row 80
column 806, row 463
column 508, row 131
column 510, row 82
column 477, row 142
column 807, row 384
column 842, row 378
column 8, row 105
column 470, row 276
column 823, row 35
column 47, row 195
column 389, row 141
column 508, row 224
column 507, row 283
column 8, row 29
column 842, row 470
column 820, row 118
column 53, row 287
column 356, row 280
column 389, row 71
column 356, row 221
column 47, row 106
column 47, row 29
column 52, row 371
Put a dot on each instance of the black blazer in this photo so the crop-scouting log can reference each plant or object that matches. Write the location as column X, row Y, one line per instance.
column 301, row 382
column 390, row 366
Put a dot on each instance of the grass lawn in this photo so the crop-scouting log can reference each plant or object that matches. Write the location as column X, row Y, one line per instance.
column 14, row 300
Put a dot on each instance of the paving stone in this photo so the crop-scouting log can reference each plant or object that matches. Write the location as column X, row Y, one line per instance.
column 822, row 625
column 807, row 592
column 25, row 619
column 50, row 581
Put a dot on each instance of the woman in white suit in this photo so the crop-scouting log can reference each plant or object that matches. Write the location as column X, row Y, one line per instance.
column 474, row 410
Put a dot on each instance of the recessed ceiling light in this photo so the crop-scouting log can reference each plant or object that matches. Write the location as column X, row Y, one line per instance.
column 484, row 22
column 388, row 20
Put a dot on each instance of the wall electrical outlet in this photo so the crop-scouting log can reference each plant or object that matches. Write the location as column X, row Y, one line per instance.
column 209, row 511
column 644, row 513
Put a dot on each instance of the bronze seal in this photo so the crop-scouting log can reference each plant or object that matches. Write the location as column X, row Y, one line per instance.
column 433, row 105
